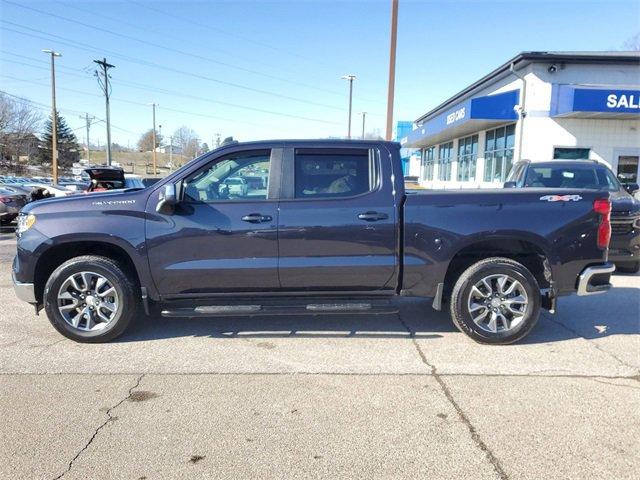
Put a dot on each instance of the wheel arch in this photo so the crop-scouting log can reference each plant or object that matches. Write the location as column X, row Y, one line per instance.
column 60, row 252
column 526, row 251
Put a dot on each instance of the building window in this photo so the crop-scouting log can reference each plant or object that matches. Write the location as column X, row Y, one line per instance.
column 467, row 156
column 445, row 154
column 428, row 163
column 571, row 153
column 498, row 153
column 628, row 168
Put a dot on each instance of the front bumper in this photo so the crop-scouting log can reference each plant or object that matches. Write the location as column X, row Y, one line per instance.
column 24, row 291
column 595, row 279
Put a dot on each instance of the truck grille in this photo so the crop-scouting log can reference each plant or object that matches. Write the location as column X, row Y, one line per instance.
column 619, row 227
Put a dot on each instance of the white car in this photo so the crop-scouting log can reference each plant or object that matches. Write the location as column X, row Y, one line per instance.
column 237, row 186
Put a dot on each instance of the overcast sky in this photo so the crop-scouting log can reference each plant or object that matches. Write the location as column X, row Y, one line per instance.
column 262, row 69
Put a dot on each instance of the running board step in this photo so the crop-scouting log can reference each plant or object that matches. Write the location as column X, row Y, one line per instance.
column 338, row 307
column 300, row 309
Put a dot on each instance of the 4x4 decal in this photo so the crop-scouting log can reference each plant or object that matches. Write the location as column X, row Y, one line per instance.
column 561, row 198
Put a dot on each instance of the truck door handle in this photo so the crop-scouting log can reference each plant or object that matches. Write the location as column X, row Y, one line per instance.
column 256, row 218
column 372, row 216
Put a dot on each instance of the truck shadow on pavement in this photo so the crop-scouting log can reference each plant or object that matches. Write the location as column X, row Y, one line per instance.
column 613, row 313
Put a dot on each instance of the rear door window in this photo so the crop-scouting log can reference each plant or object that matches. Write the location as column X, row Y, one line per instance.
column 335, row 173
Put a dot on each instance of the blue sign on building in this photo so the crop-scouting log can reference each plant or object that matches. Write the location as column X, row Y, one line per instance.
column 569, row 99
column 491, row 107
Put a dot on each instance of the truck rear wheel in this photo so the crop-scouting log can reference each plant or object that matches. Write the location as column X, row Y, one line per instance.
column 90, row 299
column 495, row 301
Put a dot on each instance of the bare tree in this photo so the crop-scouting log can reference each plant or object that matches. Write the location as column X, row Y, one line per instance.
column 188, row 141
column 19, row 122
column 145, row 144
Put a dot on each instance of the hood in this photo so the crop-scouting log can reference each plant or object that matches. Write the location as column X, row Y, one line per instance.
column 116, row 199
column 105, row 174
column 622, row 202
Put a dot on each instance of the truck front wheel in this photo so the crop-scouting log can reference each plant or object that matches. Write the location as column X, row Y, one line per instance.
column 90, row 299
column 496, row 301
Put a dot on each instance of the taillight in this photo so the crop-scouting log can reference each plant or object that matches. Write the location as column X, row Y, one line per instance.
column 603, row 208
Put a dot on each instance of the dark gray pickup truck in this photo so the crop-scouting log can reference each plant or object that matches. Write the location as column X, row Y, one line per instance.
column 308, row 226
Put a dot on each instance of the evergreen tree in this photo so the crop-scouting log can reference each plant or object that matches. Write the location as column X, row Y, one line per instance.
column 68, row 149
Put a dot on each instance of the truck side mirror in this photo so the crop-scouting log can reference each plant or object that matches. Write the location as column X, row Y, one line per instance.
column 631, row 188
column 167, row 199
column 509, row 185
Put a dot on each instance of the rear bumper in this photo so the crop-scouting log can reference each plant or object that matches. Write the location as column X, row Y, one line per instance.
column 24, row 291
column 595, row 279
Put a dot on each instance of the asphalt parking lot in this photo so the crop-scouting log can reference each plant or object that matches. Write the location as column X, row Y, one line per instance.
column 382, row 396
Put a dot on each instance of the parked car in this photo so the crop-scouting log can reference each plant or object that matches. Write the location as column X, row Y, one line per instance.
column 236, row 186
column 624, row 249
column 133, row 181
column 10, row 204
column 334, row 231
column 50, row 190
column 111, row 178
column 19, row 190
column 74, row 186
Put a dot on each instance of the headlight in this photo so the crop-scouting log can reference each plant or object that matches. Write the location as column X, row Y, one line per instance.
column 25, row 222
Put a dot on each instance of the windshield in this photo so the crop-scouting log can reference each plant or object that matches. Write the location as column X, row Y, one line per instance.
column 578, row 176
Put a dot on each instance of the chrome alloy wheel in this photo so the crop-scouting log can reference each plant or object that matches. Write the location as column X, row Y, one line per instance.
column 87, row 301
column 497, row 303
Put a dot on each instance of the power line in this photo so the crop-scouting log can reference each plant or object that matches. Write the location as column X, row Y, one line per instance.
column 45, row 107
column 180, row 94
column 148, row 63
column 200, row 57
column 131, row 102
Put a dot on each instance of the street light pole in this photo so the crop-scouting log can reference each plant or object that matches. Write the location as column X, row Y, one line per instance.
column 392, row 68
column 351, row 78
column 54, row 117
column 364, row 116
column 153, row 152
column 103, row 81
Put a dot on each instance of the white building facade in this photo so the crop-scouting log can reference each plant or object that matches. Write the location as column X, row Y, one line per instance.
column 537, row 106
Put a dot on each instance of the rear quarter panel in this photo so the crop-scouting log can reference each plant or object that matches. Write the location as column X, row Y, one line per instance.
column 439, row 224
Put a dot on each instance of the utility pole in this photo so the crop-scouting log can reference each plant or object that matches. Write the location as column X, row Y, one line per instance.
column 103, row 80
column 364, row 116
column 392, row 68
column 350, row 78
column 153, row 152
column 54, row 117
column 88, row 119
column 171, row 153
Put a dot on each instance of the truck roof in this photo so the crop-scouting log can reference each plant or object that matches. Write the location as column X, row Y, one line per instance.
column 311, row 141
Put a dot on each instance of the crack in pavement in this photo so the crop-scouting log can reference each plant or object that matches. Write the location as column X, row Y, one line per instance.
column 100, row 427
column 590, row 341
column 475, row 436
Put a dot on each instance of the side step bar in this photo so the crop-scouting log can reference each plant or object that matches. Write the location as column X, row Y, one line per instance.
column 300, row 309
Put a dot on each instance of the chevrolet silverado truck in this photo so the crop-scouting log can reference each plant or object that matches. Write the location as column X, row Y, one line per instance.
column 322, row 227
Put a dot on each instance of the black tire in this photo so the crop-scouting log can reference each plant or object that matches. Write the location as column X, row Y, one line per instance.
column 475, row 273
column 127, row 289
column 628, row 267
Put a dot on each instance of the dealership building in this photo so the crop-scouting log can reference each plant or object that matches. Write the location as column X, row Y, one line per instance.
column 536, row 106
